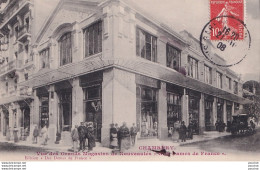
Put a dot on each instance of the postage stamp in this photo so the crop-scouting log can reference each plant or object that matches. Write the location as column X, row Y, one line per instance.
column 228, row 15
column 225, row 33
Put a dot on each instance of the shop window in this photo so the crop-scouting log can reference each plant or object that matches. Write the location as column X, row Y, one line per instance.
column 147, row 118
column 93, row 39
column 65, row 46
column 192, row 67
column 229, row 82
column 219, row 80
column 146, row 45
column 173, row 109
column 173, row 57
column 45, row 58
column 44, row 112
column 207, row 75
column 209, row 123
column 65, row 106
column 93, row 108
column 235, row 87
column 194, row 112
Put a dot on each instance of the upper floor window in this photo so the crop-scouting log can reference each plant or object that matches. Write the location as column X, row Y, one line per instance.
column 207, row 75
column 173, row 57
column 65, row 45
column 235, row 87
column 146, row 45
column 6, row 87
column 45, row 58
column 219, row 80
column 192, row 67
column 229, row 82
column 93, row 39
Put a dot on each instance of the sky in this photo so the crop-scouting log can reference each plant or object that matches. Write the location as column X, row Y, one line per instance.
column 192, row 15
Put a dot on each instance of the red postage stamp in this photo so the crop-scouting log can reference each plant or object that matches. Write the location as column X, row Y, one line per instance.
column 227, row 19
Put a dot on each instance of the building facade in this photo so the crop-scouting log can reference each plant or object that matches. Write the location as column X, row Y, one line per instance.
column 107, row 62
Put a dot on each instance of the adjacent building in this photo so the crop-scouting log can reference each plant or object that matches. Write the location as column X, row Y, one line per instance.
column 107, row 62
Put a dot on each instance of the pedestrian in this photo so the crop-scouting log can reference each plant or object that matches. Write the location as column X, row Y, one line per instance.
column 124, row 137
column 217, row 124
column 90, row 136
column 190, row 131
column 35, row 134
column 44, row 134
column 183, row 130
column 82, row 136
column 75, row 138
column 133, row 133
column 113, row 137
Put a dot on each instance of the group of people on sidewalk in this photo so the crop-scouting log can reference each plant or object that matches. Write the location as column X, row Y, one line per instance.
column 121, row 137
column 183, row 131
column 81, row 134
column 43, row 133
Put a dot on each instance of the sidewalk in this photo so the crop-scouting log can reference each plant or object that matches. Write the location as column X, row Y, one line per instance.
column 206, row 136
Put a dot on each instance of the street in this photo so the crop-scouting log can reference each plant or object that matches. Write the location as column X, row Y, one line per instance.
column 228, row 146
column 231, row 144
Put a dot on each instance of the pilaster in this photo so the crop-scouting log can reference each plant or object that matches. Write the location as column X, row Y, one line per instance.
column 162, row 112
column 185, row 107
column 77, row 103
column 202, row 114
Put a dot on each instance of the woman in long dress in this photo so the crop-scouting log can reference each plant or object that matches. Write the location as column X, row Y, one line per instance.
column 113, row 137
column 44, row 134
column 91, row 137
column 124, row 137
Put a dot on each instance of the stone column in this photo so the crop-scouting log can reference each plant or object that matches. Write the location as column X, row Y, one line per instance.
column 214, row 110
column 202, row 115
column 185, row 107
column 53, row 114
column 11, row 122
column 233, row 109
column 107, row 105
column 77, row 103
column 35, row 115
column 119, row 100
column 162, row 112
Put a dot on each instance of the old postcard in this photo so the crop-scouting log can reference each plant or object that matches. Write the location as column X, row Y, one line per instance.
column 143, row 80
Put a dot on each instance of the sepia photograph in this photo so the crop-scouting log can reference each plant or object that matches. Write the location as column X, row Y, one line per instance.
column 138, row 80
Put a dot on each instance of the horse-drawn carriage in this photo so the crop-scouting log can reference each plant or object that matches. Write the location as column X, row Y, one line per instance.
column 242, row 124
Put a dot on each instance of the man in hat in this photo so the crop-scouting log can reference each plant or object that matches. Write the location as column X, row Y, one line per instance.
column 82, row 136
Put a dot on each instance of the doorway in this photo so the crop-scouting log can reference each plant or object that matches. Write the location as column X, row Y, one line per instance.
column 65, row 110
column 93, row 109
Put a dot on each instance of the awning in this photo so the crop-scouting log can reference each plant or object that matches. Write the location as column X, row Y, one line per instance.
column 136, row 65
column 13, row 99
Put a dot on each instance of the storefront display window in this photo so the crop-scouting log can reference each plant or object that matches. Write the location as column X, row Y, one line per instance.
column 93, row 108
column 229, row 111
column 148, row 120
column 44, row 112
column 173, row 109
column 208, row 115
column 65, row 103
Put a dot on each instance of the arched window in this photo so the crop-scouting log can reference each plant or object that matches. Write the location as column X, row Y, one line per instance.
column 65, row 46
